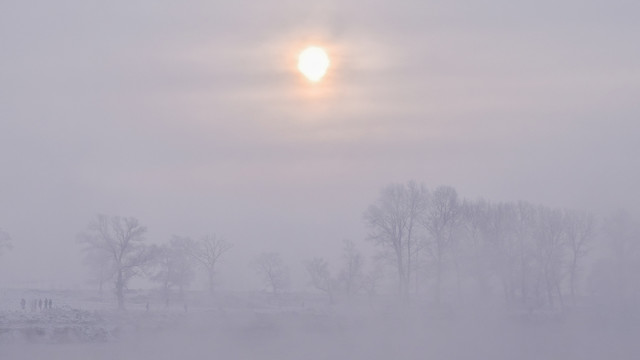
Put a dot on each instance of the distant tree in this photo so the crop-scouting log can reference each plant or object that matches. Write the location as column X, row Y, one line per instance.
column 549, row 236
column 164, row 262
column 183, row 273
column 508, row 231
column 534, row 250
column 321, row 278
column 351, row 274
column 5, row 241
column 207, row 252
column 476, row 250
column 580, row 232
column 273, row 271
column 371, row 279
column 495, row 223
column 122, row 239
column 173, row 268
column 393, row 222
column 622, row 235
column 441, row 220
column 100, row 266
column 520, row 249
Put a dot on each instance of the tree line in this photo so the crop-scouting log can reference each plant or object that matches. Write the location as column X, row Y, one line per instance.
column 115, row 250
column 443, row 248
column 436, row 244
column 536, row 256
column 431, row 244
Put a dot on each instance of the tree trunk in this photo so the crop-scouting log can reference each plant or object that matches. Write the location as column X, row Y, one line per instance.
column 438, row 277
column 211, row 281
column 401, row 275
column 549, row 287
column 572, row 279
column 120, row 290
column 409, row 269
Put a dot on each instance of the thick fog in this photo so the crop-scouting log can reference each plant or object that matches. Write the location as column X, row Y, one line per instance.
column 461, row 184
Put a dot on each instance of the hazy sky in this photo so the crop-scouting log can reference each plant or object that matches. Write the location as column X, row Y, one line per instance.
column 191, row 117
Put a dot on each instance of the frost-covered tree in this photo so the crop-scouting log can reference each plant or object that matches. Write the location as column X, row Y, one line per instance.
column 441, row 220
column 321, row 278
column 580, row 233
column 616, row 277
column 100, row 266
column 393, row 221
column 122, row 241
column 207, row 252
column 549, row 235
column 351, row 274
column 273, row 271
column 371, row 279
column 474, row 248
column 174, row 268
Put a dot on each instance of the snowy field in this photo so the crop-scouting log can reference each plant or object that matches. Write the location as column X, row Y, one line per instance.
column 254, row 326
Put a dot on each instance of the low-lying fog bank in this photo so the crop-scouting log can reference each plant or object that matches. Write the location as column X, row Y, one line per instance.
column 310, row 329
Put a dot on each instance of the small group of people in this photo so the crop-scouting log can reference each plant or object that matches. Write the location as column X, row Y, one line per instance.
column 37, row 304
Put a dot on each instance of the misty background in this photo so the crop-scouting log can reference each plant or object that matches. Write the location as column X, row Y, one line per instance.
column 193, row 119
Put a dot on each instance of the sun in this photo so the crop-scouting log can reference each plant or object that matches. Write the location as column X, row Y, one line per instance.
column 313, row 63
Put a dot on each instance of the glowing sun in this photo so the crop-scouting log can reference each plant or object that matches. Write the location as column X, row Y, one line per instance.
column 313, row 63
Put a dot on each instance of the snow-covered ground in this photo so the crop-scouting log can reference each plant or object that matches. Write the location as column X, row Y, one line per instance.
column 82, row 325
column 86, row 317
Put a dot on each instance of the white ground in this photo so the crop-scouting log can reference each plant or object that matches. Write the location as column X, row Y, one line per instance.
column 255, row 326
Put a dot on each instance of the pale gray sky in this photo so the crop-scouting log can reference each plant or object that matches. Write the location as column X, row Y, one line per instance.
column 191, row 116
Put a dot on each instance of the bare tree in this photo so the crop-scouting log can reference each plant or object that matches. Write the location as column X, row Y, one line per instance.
column 511, row 235
column 520, row 246
column 392, row 221
column 476, row 250
column 321, row 279
column 100, row 266
column 580, row 232
column 184, row 266
column 497, row 232
column 440, row 220
column 351, row 274
column 207, row 252
column 274, row 273
column 550, row 248
column 174, row 268
column 622, row 235
column 122, row 239
column 5, row 241
column 164, row 262
column 371, row 279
